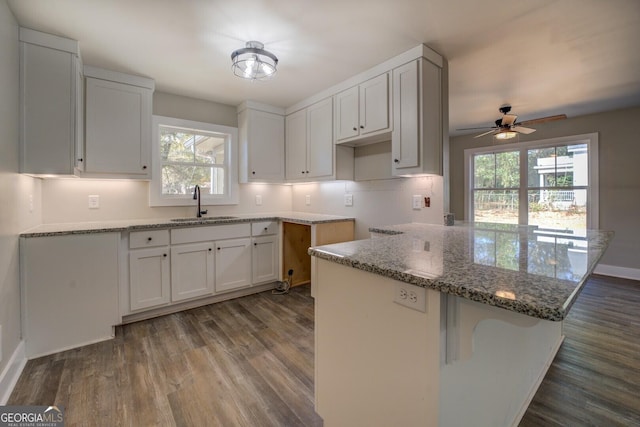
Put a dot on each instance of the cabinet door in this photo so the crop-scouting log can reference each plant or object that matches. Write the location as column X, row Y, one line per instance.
column 191, row 271
column 48, row 107
column 296, row 145
column 265, row 133
column 374, row 105
column 233, row 264
column 320, row 139
column 405, row 138
column 149, row 277
column 118, row 128
column 265, row 259
column 347, row 120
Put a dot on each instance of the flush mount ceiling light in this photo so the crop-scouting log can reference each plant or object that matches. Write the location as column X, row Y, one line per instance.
column 253, row 62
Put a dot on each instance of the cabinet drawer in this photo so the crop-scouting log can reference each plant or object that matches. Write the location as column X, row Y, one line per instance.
column 148, row 239
column 264, row 228
column 204, row 234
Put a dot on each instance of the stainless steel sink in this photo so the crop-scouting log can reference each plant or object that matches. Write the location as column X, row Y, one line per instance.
column 204, row 218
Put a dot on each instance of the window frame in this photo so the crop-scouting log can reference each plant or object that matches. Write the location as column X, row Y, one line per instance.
column 231, row 195
column 591, row 139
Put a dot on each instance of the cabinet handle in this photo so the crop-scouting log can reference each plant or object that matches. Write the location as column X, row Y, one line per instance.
column 149, row 239
column 255, row 244
column 307, row 171
column 144, row 167
column 254, row 172
column 81, row 160
column 396, row 160
column 218, row 248
column 361, row 127
column 164, row 255
column 209, row 249
column 302, row 172
column 355, row 128
column 266, row 228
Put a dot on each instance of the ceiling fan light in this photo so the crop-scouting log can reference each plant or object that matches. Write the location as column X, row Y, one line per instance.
column 253, row 62
column 506, row 134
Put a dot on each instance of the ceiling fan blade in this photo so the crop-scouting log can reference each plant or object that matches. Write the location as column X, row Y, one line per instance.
column 509, row 119
column 543, row 119
column 523, row 130
column 483, row 127
column 483, row 134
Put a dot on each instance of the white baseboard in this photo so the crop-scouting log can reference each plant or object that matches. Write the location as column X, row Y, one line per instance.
column 614, row 271
column 12, row 372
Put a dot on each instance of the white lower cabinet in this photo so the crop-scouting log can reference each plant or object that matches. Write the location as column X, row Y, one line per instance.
column 233, row 264
column 168, row 267
column 149, row 278
column 192, row 269
column 264, row 259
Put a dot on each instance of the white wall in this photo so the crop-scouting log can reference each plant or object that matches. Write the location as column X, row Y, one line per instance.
column 15, row 189
column 66, row 200
column 375, row 203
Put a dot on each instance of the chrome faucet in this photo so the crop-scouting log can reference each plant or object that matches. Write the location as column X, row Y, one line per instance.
column 196, row 196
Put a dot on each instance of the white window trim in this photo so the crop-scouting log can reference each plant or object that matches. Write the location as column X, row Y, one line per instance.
column 231, row 152
column 591, row 139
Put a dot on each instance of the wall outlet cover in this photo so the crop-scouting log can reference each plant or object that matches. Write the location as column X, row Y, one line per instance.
column 411, row 296
column 94, row 201
column 258, row 200
column 348, row 199
column 307, row 200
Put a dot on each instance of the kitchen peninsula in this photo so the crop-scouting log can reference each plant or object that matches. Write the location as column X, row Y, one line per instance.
column 443, row 326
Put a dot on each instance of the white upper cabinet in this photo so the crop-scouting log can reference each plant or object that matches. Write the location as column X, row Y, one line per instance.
column 363, row 111
column 50, row 104
column 261, row 137
column 309, row 142
column 419, row 119
column 117, row 124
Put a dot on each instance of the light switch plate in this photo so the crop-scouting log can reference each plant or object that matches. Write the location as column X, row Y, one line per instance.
column 307, row 200
column 348, row 199
column 417, row 202
column 258, row 200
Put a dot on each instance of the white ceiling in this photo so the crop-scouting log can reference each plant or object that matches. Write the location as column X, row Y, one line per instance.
column 543, row 57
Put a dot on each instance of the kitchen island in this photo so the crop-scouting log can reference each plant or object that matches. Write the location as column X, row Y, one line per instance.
column 443, row 326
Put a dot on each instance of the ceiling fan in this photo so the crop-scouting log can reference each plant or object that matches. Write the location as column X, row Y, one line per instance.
column 507, row 127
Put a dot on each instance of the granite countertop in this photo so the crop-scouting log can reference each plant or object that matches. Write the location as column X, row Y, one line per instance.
column 145, row 224
column 519, row 268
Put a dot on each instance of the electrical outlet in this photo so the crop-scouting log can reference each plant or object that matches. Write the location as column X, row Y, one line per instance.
column 411, row 296
column 348, row 199
column 30, row 202
column 307, row 200
column 258, row 200
column 94, row 202
column 417, row 202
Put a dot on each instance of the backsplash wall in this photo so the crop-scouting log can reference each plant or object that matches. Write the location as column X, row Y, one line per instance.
column 66, row 200
column 375, row 202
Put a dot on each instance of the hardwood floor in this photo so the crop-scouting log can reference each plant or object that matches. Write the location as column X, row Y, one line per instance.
column 249, row 362
column 595, row 377
column 244, row 362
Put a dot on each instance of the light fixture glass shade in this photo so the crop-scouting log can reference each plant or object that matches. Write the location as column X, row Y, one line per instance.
column 506, row 134
column 253, row 62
